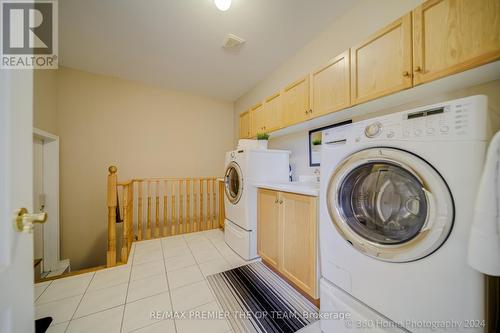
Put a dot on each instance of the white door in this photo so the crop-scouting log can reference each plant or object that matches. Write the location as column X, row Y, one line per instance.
column 38, row 196
column 16, row 191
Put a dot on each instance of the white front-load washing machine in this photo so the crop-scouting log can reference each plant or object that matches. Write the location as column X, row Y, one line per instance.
column 245, row 167
column 396, row 207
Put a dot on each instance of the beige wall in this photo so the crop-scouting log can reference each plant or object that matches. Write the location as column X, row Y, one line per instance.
column 45, row 100
column 146, row 131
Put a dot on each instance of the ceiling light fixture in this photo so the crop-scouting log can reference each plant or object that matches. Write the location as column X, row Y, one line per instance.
column 222, row 5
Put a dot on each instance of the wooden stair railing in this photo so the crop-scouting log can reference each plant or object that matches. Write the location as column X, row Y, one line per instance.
column 188, row 205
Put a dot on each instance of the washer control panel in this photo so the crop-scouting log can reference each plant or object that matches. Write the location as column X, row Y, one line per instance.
column 460, row 119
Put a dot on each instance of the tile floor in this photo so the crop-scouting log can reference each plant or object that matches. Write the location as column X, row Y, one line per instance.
column 165, row 274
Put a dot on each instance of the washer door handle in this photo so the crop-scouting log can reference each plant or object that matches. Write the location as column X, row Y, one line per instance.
column 431, row 213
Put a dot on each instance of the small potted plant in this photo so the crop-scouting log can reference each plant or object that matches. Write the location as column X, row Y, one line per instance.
column 316, row 142
column 262, row 138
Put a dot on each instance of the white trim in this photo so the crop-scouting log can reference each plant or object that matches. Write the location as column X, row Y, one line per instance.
column 51, row 240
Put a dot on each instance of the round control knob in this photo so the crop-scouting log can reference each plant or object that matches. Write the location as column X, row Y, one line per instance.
column 373, row 130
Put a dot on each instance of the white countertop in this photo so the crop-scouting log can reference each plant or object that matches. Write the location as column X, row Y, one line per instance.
column 306, row 188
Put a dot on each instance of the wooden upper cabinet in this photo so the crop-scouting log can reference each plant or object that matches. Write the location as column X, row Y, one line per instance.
column 300, row 247
column 382, row 64
column 296, row 107
column 268, row 227
column 450, row 36
column 256, row 119
column 331, row 90
column 272, row 112
column 245, row 125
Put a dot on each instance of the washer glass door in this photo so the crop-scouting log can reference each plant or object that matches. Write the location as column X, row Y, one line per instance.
column 383, row 203
column 390, row 204
column 233, row 182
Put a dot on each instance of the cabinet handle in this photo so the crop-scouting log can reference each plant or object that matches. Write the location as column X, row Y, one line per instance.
column 310, row 111
column 417, row 69
column 306, row 112
column 281, row 201
column 406, row 74
column 276, row 201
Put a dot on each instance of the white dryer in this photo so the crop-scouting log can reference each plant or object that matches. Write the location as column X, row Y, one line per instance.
column 245, row 167
column 396, row 204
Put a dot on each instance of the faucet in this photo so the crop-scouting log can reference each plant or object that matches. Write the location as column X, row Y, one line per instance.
column 317, row 174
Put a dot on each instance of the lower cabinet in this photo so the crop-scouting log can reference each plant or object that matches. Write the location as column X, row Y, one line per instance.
column 287, row 237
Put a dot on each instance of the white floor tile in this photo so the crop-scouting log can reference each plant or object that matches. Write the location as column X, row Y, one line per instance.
column 138, row 314
column 182, row 261
column 58, row 328
column 170, row 242
column 215, row 266
column 147, row 269
column 108, row 321
column 235, row 260
column 224, row 249
column 184, row 276
column 176, row 251
column 110, row 277
column 149, row 286
column 101, row 299
column 164, row 326
column 40, row 288
column 191, row 296
column 194, row 236
column 66, row 287
column 195, row 323
column 215, row 234
column 205, row 255
column 141, row 258
column 201, row 245
column 148, row 244
column 60, row 310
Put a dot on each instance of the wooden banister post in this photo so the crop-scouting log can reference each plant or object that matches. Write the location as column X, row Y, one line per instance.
column 112, row 194
column 126, row 217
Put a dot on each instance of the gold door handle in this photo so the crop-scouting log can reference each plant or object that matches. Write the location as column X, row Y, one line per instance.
column 23, row 221
column 406, row 74
column 417, row 69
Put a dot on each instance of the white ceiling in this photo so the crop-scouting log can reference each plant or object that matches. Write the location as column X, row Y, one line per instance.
column 177, row 43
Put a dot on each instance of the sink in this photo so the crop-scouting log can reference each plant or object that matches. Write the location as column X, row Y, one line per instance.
column 314, row 185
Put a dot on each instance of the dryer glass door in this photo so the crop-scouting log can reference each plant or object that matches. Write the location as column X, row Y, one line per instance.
column 233, row 182
column 383, row 203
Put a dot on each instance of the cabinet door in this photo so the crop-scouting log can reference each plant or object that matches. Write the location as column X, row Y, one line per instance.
column 268, row 227
column 299, row 225
column 382, row 64
column 450, row 36
column 273, row 112
column 256, row 119
column 245, row 125
column 331, row 86
column 296, row 106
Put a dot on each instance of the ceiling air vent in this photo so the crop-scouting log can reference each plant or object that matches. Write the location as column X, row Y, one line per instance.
column 233, row 42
